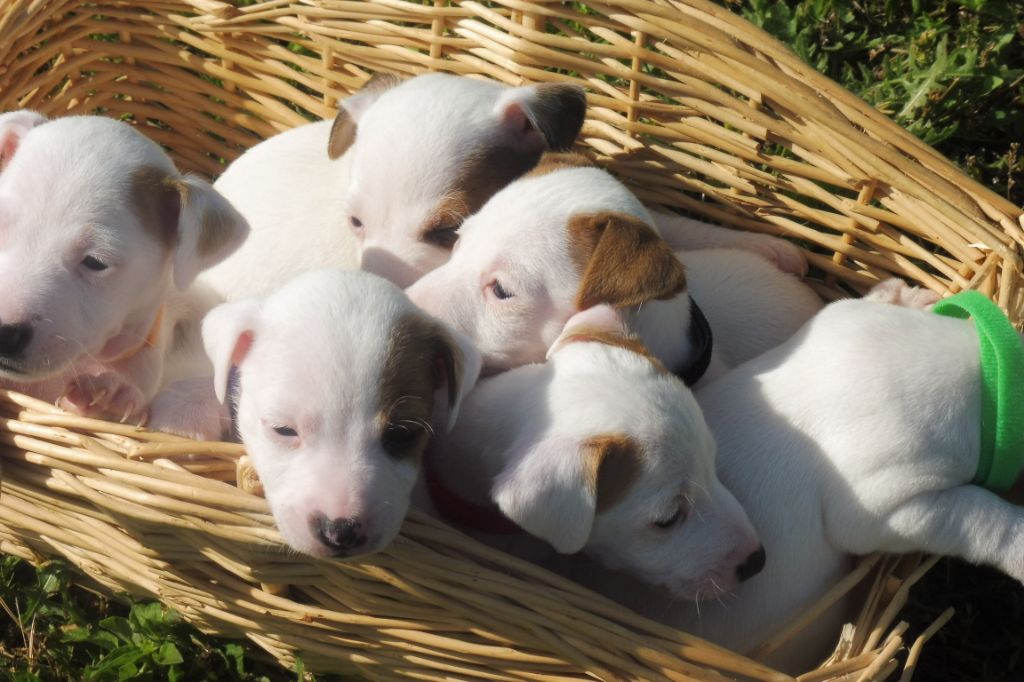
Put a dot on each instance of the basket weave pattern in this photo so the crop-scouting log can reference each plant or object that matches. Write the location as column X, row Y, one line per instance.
column 690, row 105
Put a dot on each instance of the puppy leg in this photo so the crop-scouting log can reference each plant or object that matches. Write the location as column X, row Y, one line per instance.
column 189, row 408
column 897, row 292
column 684, row 234
column 967, row 522
column 105, row 396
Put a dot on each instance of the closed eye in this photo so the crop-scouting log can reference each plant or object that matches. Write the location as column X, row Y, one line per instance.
column 443, row 235
column 93, row 263
column 499, row 291
column 672, row 520
column 286, row 431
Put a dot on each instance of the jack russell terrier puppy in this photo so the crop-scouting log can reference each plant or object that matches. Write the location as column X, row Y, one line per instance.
column 337, row 382
column 100, row 237
column 860, row 434
column 568, row 237
column 386, row 186
column 599, row 450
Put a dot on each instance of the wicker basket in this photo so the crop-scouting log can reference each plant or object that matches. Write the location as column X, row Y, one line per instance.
column 692, row 106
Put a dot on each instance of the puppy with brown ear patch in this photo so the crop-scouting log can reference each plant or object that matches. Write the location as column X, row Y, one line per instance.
column 101, row 239
column 599, row 450
column 568, row 238
column 338, row 382
column 386, row 185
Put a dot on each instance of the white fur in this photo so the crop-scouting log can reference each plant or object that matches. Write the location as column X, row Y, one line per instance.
column 64, row 197
column 861, row 434
column 412, row 143
column 520, row 241
column 519, row 441
column 310, row 357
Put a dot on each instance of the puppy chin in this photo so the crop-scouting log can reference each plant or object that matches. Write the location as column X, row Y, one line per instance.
column 710, row 585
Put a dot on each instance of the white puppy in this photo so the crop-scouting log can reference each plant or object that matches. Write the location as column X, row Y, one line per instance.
column 341, row 381
column 599, row 450
column 387, row 185
column 567, row 238
column 101, row 235
column 861, row 434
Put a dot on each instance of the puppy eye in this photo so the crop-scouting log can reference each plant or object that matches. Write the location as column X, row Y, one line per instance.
column 400, row 437
column 499, row 291
column 356, row 223
column 672, row 520
column 286, row 431
column 93, row 263
column 443, row 236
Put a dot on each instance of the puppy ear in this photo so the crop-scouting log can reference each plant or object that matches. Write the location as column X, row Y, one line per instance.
column 545, row 117
column 13, row 126
column 555, row 490
column 603, row 319
column 209, row 229
column 228, row 332
column 623, row 261
column 459, row 365
column 343, row 131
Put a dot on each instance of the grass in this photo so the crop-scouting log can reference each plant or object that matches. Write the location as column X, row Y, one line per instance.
column 950, row 71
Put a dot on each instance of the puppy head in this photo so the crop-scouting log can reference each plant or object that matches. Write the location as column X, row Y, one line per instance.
column 542, row 249
column 95, row 225
column 429, row 151
column 626, row 473
column 342, row 382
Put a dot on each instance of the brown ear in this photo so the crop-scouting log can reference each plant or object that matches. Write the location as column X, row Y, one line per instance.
column 343, row 131
column 556, row 161
column 623, row 261
column 611, row 464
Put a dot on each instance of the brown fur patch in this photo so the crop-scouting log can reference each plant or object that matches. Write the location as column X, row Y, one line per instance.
column 622, row 261
column 556, row 161
column 157, row 202
column 343, row 130
column 421, row 358
column 558, row 113
column 611, row 466
column 627, row 341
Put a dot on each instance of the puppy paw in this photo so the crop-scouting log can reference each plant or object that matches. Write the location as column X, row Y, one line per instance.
column 105, row 396
column 895, row 291
column 189, row 408
column 787, row 257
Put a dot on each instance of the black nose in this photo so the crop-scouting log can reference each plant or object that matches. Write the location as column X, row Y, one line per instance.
column 751, row 566
column 341, row 535
column 14, row 338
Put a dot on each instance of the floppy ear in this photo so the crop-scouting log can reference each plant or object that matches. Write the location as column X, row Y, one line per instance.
column 603, row 319
column 343, row 131
column 623, row 261
column 545, row 117
column 556, row 488
column 13, row 126
column 209, row 229
column 458, row 367
column 228, row 332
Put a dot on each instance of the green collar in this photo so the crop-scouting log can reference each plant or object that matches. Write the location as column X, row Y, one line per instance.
column 1002, row 402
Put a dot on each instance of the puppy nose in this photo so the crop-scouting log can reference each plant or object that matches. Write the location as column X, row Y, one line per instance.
column 341, row 535
column 751, row 566
column 14, row 338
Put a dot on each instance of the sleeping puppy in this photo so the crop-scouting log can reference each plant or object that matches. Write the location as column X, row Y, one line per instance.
column 337, row 382
column 386, row 186
column 569, row 237
column 600, row 451
column 101, row 237
column 860, row 434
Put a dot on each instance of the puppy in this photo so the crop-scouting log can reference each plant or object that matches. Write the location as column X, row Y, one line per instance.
column 567, row 238
column 341, row 382
column 860, row 434
column 101, row 237
column 601, row 450
column 386, row 186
